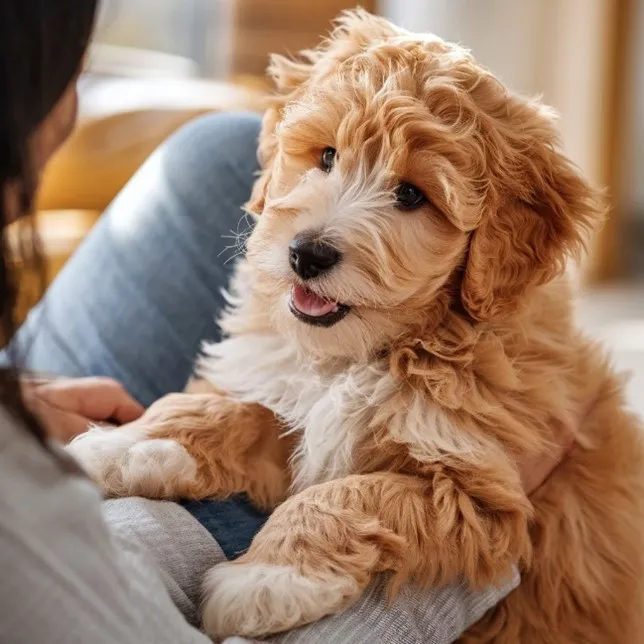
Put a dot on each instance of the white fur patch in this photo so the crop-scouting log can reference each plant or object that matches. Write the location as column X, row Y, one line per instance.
column 125, row 463
column 332, row 411
column 353, row 209
column 335, row 417
column 259, row 599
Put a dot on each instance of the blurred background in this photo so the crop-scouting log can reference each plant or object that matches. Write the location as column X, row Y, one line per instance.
column 158, row 63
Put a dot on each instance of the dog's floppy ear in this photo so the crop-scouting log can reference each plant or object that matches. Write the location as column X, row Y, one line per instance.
column 289, row 76
column 266, row 152
column 353, row 31
column 541, row 215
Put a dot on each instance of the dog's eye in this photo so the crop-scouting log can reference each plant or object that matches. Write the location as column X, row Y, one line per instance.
column 409, row 197
column 327, row 159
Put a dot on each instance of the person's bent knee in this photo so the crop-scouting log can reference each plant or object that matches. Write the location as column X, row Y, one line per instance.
column 194, row 185
column 209, row 167
column 228, row 137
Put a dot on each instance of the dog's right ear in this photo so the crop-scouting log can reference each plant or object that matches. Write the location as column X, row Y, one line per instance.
column 353, row 32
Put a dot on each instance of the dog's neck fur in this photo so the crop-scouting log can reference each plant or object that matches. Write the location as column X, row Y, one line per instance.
column 425, row 391
column 328, row 408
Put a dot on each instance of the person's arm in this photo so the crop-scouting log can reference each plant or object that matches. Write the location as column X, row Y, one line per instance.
column 434, row 616
column 66, row 579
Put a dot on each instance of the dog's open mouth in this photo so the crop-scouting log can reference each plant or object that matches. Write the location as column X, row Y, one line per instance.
column 312, row 308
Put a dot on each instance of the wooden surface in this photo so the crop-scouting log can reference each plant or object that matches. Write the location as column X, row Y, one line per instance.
column 606, row 257
column 262, row 27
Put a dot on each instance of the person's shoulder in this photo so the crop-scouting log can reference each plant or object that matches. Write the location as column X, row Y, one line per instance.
column 32, row 480
column 19, row 449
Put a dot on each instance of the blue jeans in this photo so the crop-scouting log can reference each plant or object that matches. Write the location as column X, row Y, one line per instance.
column 144, row 289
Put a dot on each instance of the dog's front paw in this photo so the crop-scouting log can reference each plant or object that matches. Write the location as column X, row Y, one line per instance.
column 126, row 463
column 257, row 599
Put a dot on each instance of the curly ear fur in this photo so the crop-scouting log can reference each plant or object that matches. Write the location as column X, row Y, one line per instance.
column 541, row 213
column 353, row 31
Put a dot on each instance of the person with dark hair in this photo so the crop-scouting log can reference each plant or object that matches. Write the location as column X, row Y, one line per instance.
column 133, row 304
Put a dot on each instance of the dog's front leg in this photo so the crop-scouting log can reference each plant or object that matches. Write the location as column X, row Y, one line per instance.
column 323, row 546
column 191, row 446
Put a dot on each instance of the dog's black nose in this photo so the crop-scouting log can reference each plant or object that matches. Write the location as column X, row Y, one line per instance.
column 309, row 257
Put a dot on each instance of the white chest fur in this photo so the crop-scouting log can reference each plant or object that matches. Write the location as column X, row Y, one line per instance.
column 331, row 412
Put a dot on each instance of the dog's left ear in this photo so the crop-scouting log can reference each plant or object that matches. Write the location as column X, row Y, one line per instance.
column 542, row 213
column 353, row 32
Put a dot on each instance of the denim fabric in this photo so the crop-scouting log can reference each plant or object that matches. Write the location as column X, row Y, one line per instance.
column 144, row 289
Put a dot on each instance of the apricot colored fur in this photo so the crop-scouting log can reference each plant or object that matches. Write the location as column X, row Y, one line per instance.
column 394, row 436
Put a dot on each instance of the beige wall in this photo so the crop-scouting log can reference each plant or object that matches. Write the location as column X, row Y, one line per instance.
column 557, row 48
column 551, row 47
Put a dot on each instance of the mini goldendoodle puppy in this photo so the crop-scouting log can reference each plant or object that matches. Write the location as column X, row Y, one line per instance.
column 399, row 335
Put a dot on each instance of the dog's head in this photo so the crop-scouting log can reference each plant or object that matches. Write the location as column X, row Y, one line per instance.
column 400, row 177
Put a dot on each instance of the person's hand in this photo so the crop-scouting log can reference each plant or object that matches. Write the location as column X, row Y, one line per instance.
column 66, row 407
column 534, row 472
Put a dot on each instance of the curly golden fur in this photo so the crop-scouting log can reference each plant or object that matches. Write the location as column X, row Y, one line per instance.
column 389, row 441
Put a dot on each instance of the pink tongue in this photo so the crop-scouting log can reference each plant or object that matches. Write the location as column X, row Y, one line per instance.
column 309, row 303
